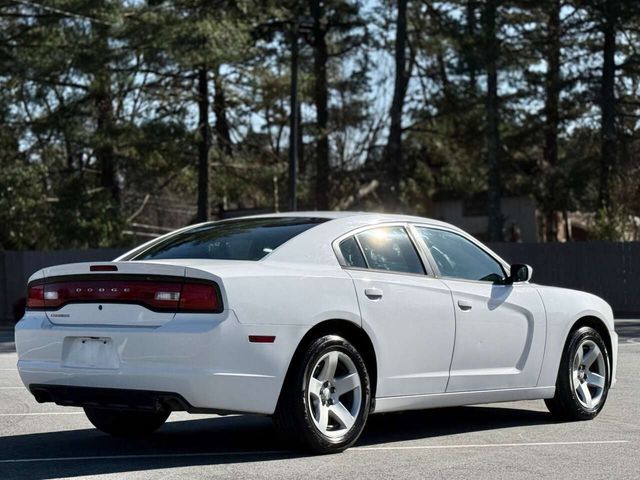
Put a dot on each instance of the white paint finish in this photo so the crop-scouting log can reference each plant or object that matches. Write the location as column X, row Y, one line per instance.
column 453, row 399
column 564, row 308
column 108, row 314
column 412, row 327
column 500, row 336
column 209, row 361
column 114, row 313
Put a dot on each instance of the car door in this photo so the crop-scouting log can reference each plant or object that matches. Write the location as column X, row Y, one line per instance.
column 406, row 311
column 500, row 327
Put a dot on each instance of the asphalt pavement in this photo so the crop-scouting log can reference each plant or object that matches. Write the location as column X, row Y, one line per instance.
column 508, row 440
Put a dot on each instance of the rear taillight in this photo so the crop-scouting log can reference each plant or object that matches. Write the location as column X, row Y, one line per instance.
column 35, row 296
column 199, row 297
column 169, row 296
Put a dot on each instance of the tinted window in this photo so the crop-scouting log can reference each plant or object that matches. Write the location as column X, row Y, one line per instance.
column 351, row 253
column 389, row 248
column 458, row 257
column 249, row 239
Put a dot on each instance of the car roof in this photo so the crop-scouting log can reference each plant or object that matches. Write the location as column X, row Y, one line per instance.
column 364, row 217
column 314, row 246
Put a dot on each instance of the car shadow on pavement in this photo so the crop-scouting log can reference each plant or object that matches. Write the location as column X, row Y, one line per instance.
column 223, row 440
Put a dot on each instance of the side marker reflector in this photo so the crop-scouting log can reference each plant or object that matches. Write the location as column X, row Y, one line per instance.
column 262, row 338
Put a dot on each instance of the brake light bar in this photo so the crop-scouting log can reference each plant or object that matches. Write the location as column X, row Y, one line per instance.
column 103, row 268
column 174, row 295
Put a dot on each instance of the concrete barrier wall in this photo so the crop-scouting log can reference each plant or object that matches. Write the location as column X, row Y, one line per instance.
column 607, row 269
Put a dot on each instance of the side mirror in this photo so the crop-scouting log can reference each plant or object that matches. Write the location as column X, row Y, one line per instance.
column 520, row 273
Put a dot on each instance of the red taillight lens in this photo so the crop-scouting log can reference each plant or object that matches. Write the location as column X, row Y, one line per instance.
column 156, row 295
column 199, row 297
column 169, row 296
column 35, row 296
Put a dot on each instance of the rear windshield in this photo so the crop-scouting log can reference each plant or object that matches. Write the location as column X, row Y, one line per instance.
column 249, row 239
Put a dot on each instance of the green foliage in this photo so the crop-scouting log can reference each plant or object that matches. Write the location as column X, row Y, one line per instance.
column 22, row 204
column 99, row 111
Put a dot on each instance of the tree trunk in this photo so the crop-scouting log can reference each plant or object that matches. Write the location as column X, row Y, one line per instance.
column 223, row 132
column 493, row 122
column 105, row 122
column 470, row 30
column 320, row 96
column 394, row 157
column 204, row 145
column 552, row 119
column 608, row 106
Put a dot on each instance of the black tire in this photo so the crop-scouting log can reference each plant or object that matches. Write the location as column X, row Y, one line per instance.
column 566, row 404
column 126, row 423
column 293, row 417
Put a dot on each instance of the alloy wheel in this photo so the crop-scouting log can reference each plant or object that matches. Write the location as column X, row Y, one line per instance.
column 334, row 394
column 589, row 374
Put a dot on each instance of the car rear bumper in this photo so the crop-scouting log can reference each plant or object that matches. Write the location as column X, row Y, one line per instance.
column 195, row 362
column 112, row 398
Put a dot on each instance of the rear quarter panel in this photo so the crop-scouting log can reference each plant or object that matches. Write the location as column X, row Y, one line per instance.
column 290, row 294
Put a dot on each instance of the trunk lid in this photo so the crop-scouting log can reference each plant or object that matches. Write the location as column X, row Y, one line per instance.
column 116, row 293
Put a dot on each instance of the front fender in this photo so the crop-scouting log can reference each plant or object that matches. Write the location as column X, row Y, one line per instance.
column 564, row 308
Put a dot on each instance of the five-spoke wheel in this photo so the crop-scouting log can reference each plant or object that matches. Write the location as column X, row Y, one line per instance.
column 326, row 398
column 334, row 394
column 583, row 377
column 589, row 373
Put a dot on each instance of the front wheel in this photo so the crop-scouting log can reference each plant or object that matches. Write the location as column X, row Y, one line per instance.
column 326, row 400
column 583, row 378
column 125, row 423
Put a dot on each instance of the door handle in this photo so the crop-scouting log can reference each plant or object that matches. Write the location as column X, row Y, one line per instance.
column 464, row 305
column 373, row 293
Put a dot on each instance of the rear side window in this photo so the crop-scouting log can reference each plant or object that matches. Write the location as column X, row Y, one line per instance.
column 351, row 253
column 249, row 239
column 389, row 248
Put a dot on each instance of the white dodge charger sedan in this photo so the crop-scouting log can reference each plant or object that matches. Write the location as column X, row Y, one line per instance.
column 317, row 319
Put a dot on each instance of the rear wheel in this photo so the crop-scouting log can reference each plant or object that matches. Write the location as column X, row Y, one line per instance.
column 126, row 423
column 583, row 378
column 325, row 403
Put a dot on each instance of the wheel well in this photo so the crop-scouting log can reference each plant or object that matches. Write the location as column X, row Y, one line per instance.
column 348, row 330
column 599, row 326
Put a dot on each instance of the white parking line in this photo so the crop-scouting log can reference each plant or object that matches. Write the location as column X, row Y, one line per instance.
column 33, row 414
column 11, row 388
column 489, row 445
column 284, row 452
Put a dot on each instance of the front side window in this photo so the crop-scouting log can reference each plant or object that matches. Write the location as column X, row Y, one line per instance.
column 248, row 239
column 389, row 248
column 457, row 257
